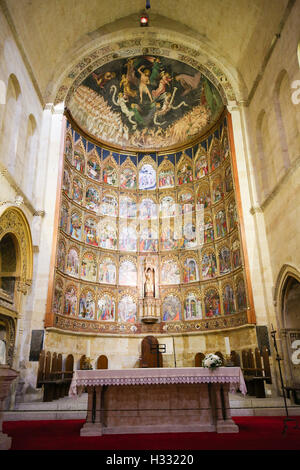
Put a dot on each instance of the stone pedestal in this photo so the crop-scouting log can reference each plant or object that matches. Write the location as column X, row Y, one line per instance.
column 150, row 310
column 7, row 376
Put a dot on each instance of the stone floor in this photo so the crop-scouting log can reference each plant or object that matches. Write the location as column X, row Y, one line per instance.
column 75, row 408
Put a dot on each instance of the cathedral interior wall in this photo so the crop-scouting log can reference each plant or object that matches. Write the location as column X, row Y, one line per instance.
column 30, row 145
column 125, row 352
column 275, row 137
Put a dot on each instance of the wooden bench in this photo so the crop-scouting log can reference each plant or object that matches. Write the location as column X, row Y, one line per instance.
column 255, row 383
column 51, row 376
column 293, row 391
column 255, row 374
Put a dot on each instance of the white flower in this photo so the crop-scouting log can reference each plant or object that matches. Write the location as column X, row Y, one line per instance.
column 211, row 361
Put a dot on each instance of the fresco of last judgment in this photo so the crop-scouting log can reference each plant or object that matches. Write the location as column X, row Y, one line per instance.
column 145, row 102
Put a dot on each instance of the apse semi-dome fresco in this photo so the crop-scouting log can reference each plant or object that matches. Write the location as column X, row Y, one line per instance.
column 146, row 102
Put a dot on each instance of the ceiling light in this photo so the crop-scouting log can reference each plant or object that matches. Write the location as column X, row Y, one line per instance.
column 144, row 19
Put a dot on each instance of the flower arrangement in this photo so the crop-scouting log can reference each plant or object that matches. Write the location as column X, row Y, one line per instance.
column 212, row 361
column 87, row 365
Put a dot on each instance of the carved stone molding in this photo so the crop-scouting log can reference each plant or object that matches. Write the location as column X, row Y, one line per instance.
column 24, row 287
column 14, row 222
column 39, row 213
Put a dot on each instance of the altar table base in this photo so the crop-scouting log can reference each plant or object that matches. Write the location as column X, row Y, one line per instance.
column 158, row 400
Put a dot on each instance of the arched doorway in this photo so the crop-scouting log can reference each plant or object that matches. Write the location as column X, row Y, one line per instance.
column 8, row 266
column 291, row 317
column 150, row 356
column 288, row 305
column 15, row 276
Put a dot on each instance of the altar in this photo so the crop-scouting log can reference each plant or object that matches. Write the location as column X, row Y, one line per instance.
column 158, row 400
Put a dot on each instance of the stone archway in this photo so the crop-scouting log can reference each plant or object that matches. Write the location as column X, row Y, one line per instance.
column 16, row 263
column 287, row 300
column 108, row 46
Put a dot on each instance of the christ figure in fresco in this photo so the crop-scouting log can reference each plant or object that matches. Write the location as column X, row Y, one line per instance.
column 144, row 82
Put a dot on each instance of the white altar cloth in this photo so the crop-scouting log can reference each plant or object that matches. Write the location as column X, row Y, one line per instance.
column 179, row 375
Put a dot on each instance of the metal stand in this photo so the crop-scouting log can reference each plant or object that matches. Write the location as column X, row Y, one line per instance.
column 158, row 348
column 287, row 419
column 175, row 365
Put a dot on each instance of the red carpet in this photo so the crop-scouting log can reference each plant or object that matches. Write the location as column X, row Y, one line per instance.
column 257, row 433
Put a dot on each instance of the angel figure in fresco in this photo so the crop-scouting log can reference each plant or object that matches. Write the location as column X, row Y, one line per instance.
column 188, row 82
column 144, row 82
column 103, row 78
column 122, row 101
column 168, row 99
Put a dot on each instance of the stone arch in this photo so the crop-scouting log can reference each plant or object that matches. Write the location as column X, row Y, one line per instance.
column 280, row 119
column 14, row 222
column 30, row 156
column 11, row 122
column 286, row 274
column 285, row 111
column 287, row 299
column 15, row 231
column 123, row 40
column 261, row 176
column 8, row 334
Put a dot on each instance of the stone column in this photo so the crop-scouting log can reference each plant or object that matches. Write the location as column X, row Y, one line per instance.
column 253, row 216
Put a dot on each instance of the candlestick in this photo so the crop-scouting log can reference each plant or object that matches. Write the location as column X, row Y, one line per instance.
column 227, row 345
column 88, row 348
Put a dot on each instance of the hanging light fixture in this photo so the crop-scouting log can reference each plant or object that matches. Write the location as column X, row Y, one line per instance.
column 144, row 18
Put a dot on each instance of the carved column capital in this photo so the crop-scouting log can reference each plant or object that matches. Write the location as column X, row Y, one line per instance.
column 39, row 213
column 24, row 286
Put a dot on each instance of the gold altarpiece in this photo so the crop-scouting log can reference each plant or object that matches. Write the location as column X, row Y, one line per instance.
column 141, row 278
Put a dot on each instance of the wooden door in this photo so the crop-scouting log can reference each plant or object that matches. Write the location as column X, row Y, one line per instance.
column 102, row 362
column 150, row 356
column 198, row 359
